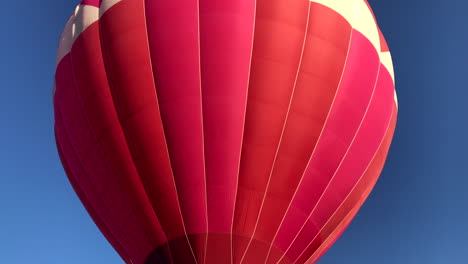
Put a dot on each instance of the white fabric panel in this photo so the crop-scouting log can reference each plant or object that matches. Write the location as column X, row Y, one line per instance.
column 106, row 4
column 357, row 13
column 82, row 18
column 386, row 59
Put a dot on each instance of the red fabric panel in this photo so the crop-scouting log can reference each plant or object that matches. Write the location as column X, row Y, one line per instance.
column 74, row 128
column 280, row 29
column 174, row 45
column 89, row 207
column 355, row 162
column 354, row 93
column 90, row 190
column 226, row 32
column 226, row 36
column 349, row 106
column 91, row 80
column 319, row 74
column 95, row 3
column 362, row 151
column 129, row 70
column 348, row 209
column 96, row 98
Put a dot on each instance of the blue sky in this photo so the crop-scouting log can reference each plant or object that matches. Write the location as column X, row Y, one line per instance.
column 418, row 212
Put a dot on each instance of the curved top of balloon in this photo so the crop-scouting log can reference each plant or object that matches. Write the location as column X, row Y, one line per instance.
column 216, row 131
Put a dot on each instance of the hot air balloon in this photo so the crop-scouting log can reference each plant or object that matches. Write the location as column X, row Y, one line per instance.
column 216, row 131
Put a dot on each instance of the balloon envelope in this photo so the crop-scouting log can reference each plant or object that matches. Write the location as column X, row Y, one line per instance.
column 217, row 131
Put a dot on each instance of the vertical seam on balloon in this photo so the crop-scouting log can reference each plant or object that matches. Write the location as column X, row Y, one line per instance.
column 80, row 163
column 203, row 131
column 360, row 178
column 243, row 130
column 164, row 131
column 281, row 137
column 127, row 140
column 80, row 99
column 75, row 185
column 341, row 161
column 318, row 139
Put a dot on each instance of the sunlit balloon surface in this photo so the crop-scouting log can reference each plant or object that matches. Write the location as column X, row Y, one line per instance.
column 216, row 131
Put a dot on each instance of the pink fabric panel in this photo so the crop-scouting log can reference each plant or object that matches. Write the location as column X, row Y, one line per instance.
column 327, row 37
column 129, row 69
column 128, row 66
column 362, row 150
column 75, row 130
column 173, row 36
column 354, row 94
column 95, row 3
column 174, row 47
column 88, row 205
column 347, row 210
column 354, row 164
column 226, row 36
column 277, row 52
column 82, row 179
column 95, row 96
column 89, row 157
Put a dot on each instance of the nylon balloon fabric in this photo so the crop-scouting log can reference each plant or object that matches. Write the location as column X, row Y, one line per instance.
column 215, row 131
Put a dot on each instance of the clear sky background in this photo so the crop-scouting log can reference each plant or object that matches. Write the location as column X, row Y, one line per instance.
column 418, row 212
